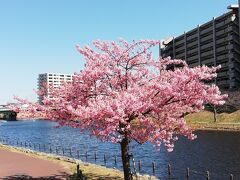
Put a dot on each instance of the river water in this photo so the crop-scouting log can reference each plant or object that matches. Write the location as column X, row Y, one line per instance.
column 216, row 152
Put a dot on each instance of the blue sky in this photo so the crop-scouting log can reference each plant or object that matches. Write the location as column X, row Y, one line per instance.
column 38, row 36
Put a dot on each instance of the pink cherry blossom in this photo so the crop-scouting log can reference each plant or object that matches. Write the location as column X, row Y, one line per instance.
column 124, row 94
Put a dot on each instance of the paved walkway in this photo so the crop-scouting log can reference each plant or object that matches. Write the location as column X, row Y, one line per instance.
column 16, row 164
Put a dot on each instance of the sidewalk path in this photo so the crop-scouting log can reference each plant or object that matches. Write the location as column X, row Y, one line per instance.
column 16, row 164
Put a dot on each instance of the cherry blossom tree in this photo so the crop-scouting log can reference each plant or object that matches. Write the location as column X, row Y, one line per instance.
column 125, row 94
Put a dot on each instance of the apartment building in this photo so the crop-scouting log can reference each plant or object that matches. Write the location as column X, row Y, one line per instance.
column 216, row 42
column 54, row 79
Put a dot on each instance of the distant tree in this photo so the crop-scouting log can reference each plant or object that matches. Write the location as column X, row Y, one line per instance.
column 123, row 94
column 214, row 113
column 213, row 108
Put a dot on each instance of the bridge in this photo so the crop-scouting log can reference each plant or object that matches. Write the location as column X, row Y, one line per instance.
column 7, row 114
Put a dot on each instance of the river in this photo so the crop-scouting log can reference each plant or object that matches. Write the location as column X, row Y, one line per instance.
column 216, row 152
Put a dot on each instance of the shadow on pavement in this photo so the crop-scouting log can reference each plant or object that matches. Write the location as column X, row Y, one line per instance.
column 24, row 176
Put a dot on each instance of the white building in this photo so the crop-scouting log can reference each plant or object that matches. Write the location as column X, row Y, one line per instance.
column 54, row 79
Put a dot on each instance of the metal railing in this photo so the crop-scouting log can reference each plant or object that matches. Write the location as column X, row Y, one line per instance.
column 107, row 160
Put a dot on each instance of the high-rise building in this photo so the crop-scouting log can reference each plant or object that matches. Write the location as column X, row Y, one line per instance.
column 216, row 42
column 54, row 79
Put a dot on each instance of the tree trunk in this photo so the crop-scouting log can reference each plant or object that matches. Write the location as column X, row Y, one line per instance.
column 126, row 159
column 215, row 113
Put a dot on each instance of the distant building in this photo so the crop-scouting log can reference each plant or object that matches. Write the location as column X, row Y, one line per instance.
column 54, row 79
column 214, row 43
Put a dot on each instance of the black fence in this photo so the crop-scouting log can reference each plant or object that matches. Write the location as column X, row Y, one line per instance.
column 116, row 162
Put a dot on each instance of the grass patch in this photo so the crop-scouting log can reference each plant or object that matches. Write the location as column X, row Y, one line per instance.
column 207, row 117
column 230, row 118
column 204, row 116
column 205, row 120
